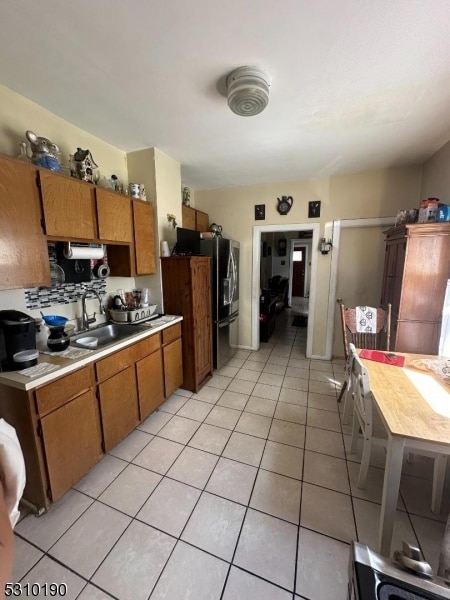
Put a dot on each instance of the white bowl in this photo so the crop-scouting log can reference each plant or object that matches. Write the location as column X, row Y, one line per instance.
column 89, row 341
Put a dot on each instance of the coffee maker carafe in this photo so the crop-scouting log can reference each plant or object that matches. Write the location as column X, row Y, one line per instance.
column 17, row 333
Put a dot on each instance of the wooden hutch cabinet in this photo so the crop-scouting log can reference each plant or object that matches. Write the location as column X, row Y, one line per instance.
column 186, row 284
column 416, row 270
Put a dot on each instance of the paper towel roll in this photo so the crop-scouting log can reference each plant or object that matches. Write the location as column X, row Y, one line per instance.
column 79, row 252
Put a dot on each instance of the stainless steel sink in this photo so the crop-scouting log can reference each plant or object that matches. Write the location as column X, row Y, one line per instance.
column 109, row 333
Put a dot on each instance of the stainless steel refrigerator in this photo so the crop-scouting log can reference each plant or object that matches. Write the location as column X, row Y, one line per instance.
column 225, row 296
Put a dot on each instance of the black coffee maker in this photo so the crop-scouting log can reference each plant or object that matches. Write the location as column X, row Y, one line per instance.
column 17, row 333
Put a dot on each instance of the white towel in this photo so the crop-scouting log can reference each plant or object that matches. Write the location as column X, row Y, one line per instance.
column 12, row 469
column 366, row 319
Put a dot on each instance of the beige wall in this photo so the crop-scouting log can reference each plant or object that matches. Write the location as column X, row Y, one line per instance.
column 17, row 114
column 378, row 193
column 436, row 176
column 162, row 179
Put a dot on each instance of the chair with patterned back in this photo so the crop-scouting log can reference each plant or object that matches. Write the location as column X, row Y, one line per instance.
column 364, row 329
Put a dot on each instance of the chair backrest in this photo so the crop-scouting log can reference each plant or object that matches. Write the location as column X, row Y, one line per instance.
column 379, row 340
column 360, row 386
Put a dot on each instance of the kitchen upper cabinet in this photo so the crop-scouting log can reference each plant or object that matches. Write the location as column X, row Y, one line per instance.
column 137, row 258
column 114, row 216
column 23, row 250
column 69, row 207
column 194, row 219
column 144, row 238
column 76, row 210
column 201, row 221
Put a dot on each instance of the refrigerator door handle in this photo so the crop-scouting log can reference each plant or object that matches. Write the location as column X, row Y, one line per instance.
column 233, row 320
column 223, row 324
column 234, row 272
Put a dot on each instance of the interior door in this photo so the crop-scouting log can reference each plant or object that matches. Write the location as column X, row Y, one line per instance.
column 298, row 271
column 359, row 273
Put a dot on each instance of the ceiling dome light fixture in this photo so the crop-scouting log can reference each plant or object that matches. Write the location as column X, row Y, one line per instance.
column 248, row 91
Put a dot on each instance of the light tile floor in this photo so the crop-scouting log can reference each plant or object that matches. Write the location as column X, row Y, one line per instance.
column 244, row 491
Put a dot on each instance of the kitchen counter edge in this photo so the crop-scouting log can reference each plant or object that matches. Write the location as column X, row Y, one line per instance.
column 67, row 365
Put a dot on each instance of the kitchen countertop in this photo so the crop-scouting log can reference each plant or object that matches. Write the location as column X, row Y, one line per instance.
column 67, row 365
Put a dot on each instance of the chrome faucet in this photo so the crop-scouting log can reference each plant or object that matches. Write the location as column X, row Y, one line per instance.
column 85, row 319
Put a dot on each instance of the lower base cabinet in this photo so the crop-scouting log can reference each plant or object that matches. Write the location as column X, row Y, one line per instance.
column 64, row 427
column 173, row 358
column 118, row 407
column 71, row 438
column 150, row 379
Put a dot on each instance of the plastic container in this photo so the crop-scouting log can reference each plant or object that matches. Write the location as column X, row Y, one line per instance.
column 54, row 320
column 89, row 341
column 26, row 358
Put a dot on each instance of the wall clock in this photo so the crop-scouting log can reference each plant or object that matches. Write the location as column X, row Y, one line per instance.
column 314, row 209
column 284, row 204
column 282, row 243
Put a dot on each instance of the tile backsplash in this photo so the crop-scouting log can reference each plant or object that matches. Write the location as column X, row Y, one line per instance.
column 65, row 293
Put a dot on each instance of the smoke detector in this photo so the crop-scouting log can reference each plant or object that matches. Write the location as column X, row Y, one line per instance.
column 248, row 91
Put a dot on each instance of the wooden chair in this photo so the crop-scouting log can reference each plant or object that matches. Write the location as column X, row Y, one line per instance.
column 380, row 340
column 367, row 420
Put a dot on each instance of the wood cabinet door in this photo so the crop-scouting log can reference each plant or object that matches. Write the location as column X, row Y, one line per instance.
column 188, row 217
column 201, row 302
column 72, row 442
column 173, row 366
column 69, row 207
column 114, row 216
column 118, row 406
column 427, row 269
column 150, row 379
column 144, row 238
column 201, row 221
column 23, row 249
column 417, row 337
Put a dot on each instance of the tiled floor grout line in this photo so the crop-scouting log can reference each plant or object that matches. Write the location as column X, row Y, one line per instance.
column 247, row 509
column 277, row 349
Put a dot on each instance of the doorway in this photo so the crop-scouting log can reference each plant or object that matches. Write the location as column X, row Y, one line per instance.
column 356, row 271
column 292, row 232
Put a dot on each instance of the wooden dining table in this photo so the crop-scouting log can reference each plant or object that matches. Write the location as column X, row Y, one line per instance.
column 414, row 405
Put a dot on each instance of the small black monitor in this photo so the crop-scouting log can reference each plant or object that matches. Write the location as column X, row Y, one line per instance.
column 188, row 241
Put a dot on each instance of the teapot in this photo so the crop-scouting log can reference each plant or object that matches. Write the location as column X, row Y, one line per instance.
column 285, row 204
column 216, row 229
column 44, row 152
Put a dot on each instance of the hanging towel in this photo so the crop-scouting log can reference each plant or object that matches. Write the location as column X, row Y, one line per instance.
column 366, row 319
column 12, row 469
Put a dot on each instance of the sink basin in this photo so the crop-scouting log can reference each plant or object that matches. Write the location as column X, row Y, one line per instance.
column 106, row 334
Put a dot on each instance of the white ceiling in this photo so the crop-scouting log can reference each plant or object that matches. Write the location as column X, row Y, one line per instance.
column 356, row 84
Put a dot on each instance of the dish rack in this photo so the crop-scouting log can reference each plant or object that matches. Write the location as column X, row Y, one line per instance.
column 136, row 316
